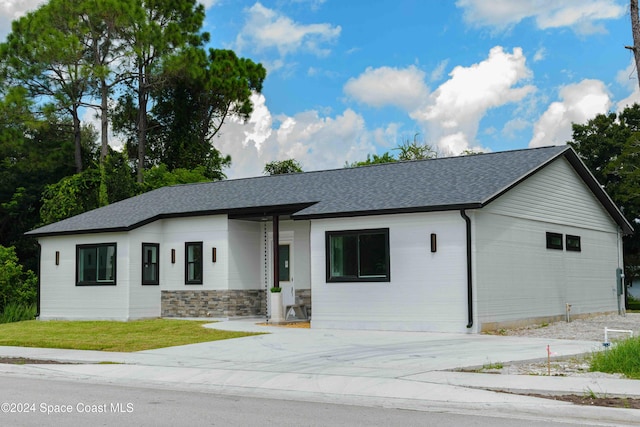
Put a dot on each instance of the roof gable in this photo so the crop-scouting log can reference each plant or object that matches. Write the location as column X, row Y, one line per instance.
column 416, row 186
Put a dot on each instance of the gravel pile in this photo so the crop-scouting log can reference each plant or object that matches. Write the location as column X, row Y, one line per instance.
column 590, row 329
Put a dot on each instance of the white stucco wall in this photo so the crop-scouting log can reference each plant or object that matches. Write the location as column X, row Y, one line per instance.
column 60, row 298
column 427, row 291
column 517, row 277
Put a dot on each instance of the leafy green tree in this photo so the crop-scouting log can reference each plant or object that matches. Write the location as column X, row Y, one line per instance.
column 160, row 176
column 373, row 160
column 161, row 27
column 16, row 284
column 609, row 144
column 282, row 166
column 78, row 193
column 203, row 90
column 45, row 55
column 408, row 150
column 414, row 150
column 35, row 150
column 70, row 196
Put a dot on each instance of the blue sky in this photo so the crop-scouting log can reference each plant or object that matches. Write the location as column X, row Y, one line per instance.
column 348, row 78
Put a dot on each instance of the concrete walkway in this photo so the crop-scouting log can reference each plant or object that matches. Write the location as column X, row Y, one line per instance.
column 393, row 369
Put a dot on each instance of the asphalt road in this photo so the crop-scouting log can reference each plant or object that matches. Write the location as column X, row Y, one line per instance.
column 46, row 402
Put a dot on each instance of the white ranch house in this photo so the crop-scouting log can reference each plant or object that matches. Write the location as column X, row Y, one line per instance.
column 461, row 244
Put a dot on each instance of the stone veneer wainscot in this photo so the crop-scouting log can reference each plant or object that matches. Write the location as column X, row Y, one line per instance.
column 210, row 303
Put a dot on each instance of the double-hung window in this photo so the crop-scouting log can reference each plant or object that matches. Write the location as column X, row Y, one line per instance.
column 193, row 263
column 150, row 264
column 96, row 264
column 358, row 255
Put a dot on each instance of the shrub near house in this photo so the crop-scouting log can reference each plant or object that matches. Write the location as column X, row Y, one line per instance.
column 17, row 288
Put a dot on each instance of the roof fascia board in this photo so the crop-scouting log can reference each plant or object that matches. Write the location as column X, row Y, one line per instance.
column 74, row 232
column 266, row 210
column 350, row 214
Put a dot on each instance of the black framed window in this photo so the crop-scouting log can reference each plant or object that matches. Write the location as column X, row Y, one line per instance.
column 193, row 263
column 150, row 264
column 358, row 255
column 573, row 243
column 96, row 264
column 554, row 241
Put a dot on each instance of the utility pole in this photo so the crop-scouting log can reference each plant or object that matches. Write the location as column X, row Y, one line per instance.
column 635, row 30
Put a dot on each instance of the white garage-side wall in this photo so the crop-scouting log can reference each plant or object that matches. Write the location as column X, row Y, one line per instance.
column 212, row 231
column 60, row 298
column 427, row 291
column 517, row 278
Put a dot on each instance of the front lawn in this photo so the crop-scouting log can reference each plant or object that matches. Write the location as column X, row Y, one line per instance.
column 110, row 336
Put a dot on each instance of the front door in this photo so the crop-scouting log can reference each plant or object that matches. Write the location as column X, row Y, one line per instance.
column 285, row 257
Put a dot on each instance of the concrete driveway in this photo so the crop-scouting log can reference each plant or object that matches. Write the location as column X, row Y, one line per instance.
column 398, row 369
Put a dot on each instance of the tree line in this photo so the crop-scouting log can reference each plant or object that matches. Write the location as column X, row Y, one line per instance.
column 143, row 68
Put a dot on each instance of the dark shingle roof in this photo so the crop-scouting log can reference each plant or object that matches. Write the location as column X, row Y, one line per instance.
column 427, row 185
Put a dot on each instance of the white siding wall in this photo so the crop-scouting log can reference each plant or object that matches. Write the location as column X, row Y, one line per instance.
column 427, row 291
column 516, row 277
column 144, row 301
column 246, row 259
column 300, row 256
column 60, row 298
column 212, row 231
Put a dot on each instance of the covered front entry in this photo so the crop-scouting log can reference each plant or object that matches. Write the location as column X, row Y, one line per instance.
column 292, row 268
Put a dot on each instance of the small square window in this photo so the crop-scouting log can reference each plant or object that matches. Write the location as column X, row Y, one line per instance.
column 554, row 241
column 573, row 243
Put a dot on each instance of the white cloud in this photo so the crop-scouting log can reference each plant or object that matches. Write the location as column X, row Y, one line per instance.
column 455, row 109
column 316, row 141
column 578, row 103
column 208, row 3
column 402, row 87
column 583, row 16
column 91, row 116
column 438, row 72
column 266, row 29
column 513, row 127
column 313, row 4
column 10, row 10
column 628, row 78
column 539, row 55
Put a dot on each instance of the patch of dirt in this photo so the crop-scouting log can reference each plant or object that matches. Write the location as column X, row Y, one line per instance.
column 589, row 329
column 25, row 361
column 610, row 402
column 299, row 325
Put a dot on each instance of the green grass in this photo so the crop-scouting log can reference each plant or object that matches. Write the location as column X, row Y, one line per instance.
column 13, row 312
column 490, row 366
column 622, row 358
column 110, row 336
